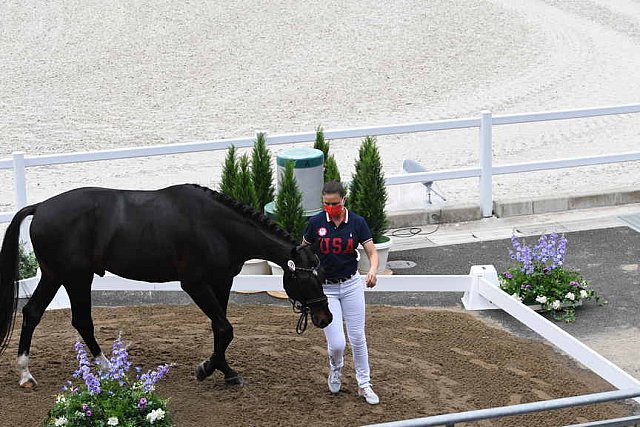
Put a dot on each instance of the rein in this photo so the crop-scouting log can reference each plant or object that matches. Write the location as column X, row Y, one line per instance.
column 305, row 308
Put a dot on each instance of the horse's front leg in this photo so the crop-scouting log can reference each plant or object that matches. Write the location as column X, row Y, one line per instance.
column 207, row 300
column 222, row 337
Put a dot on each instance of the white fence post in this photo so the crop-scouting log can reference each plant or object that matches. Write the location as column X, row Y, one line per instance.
column 486, row 159
column 20, row 182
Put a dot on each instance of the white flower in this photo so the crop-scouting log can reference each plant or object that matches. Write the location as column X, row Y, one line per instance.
column 61, row 399
column 556, row 305
column 62, row 421
column 570, row 295
column 517, row 297
column 113, row 421
column 584, row 294
column 541, row 299
column 156, row 414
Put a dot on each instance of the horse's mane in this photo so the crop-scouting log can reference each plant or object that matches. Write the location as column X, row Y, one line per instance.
column 249, row 213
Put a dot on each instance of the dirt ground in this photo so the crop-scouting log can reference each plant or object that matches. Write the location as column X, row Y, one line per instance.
column 424, row 362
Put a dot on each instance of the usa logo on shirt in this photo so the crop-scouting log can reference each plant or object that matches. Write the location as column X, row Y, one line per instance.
column 322, row 231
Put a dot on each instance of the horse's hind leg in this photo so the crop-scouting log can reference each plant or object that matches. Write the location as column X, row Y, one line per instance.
column 79, row 290
column 31, row 316
column 206, row 299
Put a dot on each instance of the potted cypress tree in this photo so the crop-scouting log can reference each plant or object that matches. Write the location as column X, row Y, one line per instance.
column 237, row 183
column 245, row 191
column 229, row 173
column 289, row 213
column 368, row 197
column 331, row 172
column 261, row 172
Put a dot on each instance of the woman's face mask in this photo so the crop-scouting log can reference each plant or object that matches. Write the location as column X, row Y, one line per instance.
column 333, row 205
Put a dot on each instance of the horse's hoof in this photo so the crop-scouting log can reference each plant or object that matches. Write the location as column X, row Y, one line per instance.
column 28, row 383
column 236, row 380
column 201, row 371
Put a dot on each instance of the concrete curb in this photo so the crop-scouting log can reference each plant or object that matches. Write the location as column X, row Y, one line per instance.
column 502, row 209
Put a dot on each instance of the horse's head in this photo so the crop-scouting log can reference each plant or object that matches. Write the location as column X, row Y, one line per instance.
column 303, row 279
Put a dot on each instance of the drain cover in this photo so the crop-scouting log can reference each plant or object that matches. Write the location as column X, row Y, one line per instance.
column 399, row 265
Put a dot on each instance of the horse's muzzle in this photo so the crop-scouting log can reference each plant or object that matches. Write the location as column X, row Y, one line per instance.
column 321, row 316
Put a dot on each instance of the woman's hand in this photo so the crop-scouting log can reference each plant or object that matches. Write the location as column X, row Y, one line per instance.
column 372, row 278
column 372, row 254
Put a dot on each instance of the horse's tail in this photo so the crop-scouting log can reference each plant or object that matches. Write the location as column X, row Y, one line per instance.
column 8, row 276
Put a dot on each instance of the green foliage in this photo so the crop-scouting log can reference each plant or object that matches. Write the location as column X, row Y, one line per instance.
column 320, row 143
column 367, row 193
column 289, row 212
column 331, row 172
column 28, row 264
column 244, row 190
column 229, row 179
column 261, row 172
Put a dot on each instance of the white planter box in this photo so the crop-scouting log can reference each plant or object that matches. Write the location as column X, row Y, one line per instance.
column 254, row 267
column 383, row 255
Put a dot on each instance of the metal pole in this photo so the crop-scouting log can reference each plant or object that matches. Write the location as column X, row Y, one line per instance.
column 486, row 154
column 503, row 411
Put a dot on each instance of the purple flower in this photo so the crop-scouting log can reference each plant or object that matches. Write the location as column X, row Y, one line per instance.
column 119, row 362
column 508, row 275
column 152, row 377
column 92, row 382
column 142, row 403
column 88, row 413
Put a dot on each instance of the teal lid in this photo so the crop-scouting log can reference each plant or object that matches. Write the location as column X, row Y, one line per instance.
column 303, row 157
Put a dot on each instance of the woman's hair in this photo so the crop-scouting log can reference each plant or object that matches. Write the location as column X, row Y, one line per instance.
column 332, row 187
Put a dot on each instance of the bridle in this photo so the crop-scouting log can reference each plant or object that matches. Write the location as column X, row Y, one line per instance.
column 304, row 308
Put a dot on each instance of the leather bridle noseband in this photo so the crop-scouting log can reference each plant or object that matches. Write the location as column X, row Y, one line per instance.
column 304, row 308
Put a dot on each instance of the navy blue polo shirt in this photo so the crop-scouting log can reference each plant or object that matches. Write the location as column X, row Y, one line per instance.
column 337, row 249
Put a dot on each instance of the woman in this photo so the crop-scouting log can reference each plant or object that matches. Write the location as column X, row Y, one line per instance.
column 339, row 232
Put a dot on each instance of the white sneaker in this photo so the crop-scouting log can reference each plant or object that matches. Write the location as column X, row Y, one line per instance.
column 334, row 380
column 369, row 395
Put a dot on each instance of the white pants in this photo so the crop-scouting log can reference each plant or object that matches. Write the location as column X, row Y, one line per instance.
column 346, row 302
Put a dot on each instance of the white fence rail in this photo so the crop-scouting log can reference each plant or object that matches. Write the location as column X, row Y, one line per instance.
column 481, row 291
column 484, row 171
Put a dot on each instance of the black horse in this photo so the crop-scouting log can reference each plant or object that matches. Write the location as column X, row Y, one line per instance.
column 185, row 233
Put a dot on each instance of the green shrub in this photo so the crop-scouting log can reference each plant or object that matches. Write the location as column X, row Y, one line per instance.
column 331, row 172
column 28, row 263
column 367, row 192
column 245, row 191
column 261, row 172
column 289, row 212
column 229, row 179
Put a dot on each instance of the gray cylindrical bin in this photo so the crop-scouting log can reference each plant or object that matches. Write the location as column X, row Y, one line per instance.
column 309, row 174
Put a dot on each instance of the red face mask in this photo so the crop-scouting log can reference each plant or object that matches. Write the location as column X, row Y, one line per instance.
column 334, row 211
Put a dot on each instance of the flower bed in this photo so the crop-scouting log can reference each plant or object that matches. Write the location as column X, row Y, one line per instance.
column 107, row 396
column 539, row 278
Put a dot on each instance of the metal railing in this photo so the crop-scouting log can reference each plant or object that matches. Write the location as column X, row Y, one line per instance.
column 484, row 171
column 524, row 408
